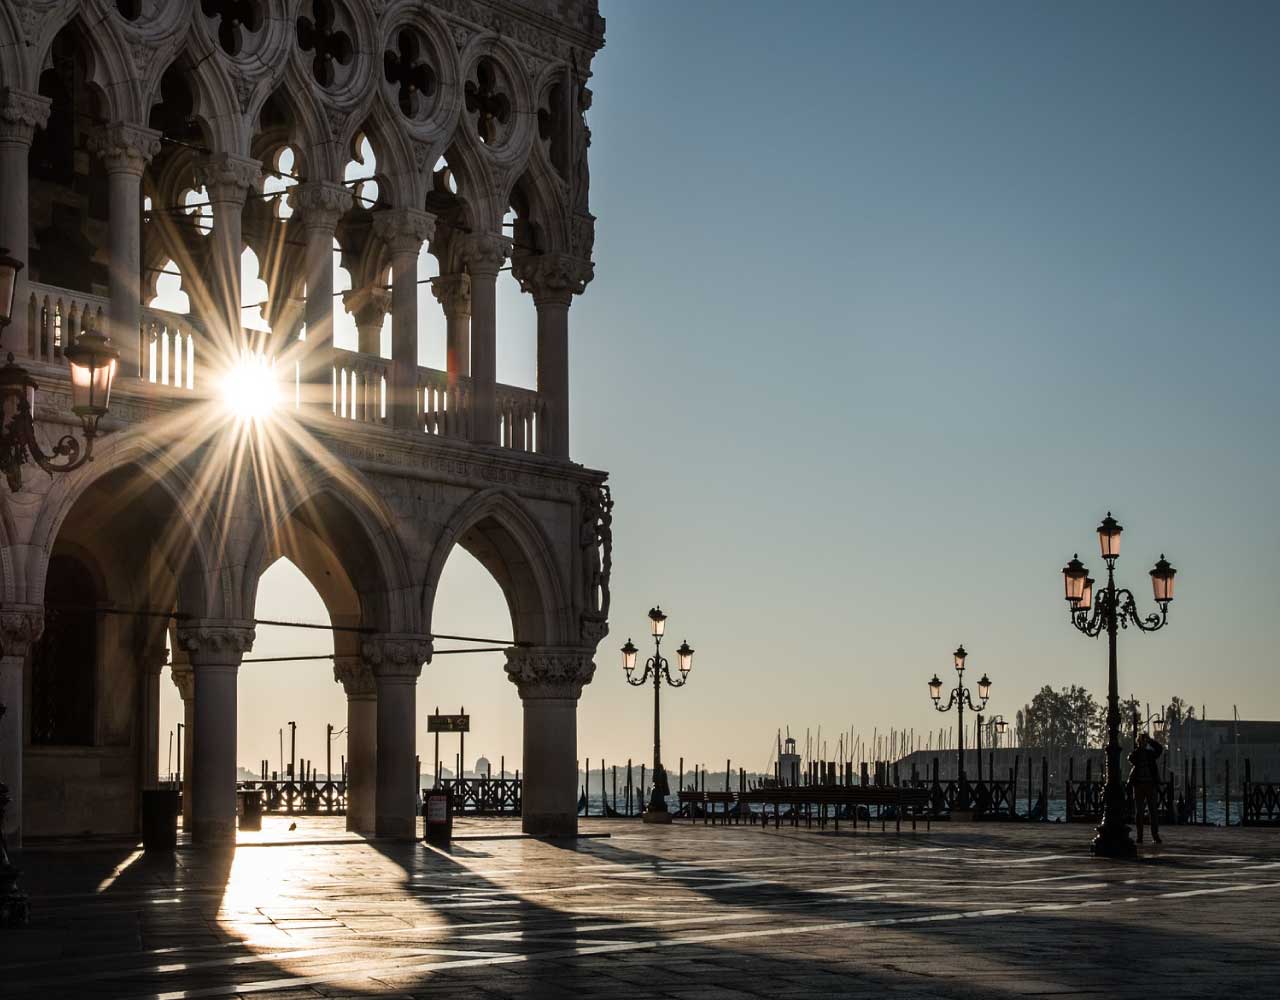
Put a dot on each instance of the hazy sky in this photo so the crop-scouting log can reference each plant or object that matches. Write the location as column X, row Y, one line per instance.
column 893, row 302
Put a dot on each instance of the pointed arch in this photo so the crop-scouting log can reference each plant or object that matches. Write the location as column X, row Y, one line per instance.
column 339, row 511
column 495, row 528
column 134, row 473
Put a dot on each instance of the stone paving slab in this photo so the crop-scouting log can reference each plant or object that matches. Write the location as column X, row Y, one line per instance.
column 716, row 913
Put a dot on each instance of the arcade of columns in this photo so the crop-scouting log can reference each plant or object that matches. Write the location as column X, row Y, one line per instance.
column 492, row 120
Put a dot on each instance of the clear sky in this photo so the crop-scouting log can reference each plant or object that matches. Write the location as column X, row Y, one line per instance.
column 893, row 302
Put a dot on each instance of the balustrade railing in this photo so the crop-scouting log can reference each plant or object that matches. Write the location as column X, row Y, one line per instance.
column 167, row 348
column 55, row 317
column 444, row 404
column 519, row 413
column 172, row 345
column 360, row 386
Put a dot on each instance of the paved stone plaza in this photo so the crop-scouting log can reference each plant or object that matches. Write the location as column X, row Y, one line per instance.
column 685, row 911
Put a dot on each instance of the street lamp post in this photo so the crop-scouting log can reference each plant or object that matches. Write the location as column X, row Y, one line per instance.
column 960, row 696
column 657, row 668
column 92, row 361
column 1116, row 609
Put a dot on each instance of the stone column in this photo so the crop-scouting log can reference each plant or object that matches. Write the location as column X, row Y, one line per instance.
column 403, row 231
column 553, row 280
column 227, row 179
column 215, row 649
column 320, row 205
column 184, row 679
column 151, row 664
column 483, row 255
column 21, row 114
column 396, row 661
column 126, row 150
column 362, row 741
column 20, row 627
column 550, row 680
column 453, row 292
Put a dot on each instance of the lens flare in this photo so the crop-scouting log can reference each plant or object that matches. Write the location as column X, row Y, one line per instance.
column 250, row 389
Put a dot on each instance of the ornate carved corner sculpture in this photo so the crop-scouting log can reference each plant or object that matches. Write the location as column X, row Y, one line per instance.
column 596, row 542
column 355, row 676
column 550, row 671
column 396, row 655
column 19, row 628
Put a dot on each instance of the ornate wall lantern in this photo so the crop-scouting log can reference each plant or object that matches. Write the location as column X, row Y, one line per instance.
column 93, row 362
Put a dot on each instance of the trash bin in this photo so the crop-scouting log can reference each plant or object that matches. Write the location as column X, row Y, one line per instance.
column 437, row 814
column 160, row 819
column 250, row 808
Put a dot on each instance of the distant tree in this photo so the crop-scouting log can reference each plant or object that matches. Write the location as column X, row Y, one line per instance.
column 1020, row 727
column 1062, row 720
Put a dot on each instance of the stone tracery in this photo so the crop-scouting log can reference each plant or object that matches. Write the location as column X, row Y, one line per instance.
column 190, row 106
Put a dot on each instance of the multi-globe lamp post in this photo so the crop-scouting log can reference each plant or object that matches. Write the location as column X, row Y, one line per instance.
column 1115, row 608
column 657, row 669
column 960, row 696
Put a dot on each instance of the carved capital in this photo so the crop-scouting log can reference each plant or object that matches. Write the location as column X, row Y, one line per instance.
column 367, row 305
column 321, row 203
column 483, row 253
column 396, row 656
column 453, row 292
column 154, row 660
column 550, row 671
column 403, row 230
column 552, row 277
column 125, row 148
column 355, row 676
column 20, row 626
column 184, row 679
column 209, row 641
column 21, row 114
column 227, row 177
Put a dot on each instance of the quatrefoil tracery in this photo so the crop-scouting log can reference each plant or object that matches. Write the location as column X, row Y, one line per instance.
column 404, row 67
column 234, row 18
column 326, row 40
column 491, row 106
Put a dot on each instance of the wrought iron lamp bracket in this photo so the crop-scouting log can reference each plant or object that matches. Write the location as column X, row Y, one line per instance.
column 18, row 443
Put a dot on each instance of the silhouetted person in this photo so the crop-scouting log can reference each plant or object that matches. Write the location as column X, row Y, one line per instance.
column 1144, row 782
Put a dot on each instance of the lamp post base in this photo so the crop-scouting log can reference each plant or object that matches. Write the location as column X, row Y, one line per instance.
column 1113, row 842
column 656, row 816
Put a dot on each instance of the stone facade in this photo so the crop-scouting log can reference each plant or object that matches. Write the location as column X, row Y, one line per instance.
column 112, row 114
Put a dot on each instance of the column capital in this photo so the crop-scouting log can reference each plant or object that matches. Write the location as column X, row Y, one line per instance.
column 20, row 626
column 184, row 679
column 154, row 660
column 552, row 277
column 483, row 253
column 227, row 177
column 355, row 676
column 453, row 292
column 396, row 655
column 322, row 203
column 209, row 641
column 367, row 305
column 403, row 230
column 125, row 148
column 550, row 671
column 21, row 114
